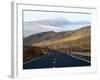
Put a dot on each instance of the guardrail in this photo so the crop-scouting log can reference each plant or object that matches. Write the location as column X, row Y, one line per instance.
column 83, row 57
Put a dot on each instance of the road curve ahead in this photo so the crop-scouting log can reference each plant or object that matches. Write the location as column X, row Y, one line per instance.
column 55, row 59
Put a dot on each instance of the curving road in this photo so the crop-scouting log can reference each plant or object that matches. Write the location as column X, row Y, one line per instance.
column 55, row 59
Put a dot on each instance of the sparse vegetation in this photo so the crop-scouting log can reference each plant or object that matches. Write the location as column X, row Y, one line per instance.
column 37, row 45
column 32, row 52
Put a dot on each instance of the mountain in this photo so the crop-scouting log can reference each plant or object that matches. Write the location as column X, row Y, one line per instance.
column 58, row 22
column 37, row 45
column 78, row 40
column 48, row 36
column 28, row 41
column 54, row 24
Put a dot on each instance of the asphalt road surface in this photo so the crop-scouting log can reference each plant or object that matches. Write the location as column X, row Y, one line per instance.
column 55, row 59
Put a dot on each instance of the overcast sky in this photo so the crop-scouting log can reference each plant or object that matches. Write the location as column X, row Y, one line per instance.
column 37, row 15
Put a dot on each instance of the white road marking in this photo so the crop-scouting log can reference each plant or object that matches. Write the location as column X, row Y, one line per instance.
column 79, row 58
column 35, row 59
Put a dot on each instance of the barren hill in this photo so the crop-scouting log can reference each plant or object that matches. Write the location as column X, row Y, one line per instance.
column 78, row 40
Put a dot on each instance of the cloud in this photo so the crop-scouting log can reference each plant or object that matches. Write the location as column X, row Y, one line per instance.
column 47, row 27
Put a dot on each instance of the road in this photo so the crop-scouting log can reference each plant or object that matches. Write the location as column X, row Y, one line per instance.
column 55, row 59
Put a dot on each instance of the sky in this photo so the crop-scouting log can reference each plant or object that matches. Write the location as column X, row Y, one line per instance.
column 30, row 16
column 37, row 15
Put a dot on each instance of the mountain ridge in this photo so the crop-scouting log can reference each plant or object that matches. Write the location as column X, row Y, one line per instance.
column 37, row 45
column 57, row 40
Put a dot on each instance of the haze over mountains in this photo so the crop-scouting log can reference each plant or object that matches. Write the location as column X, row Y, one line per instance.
column 56, row 24
column 59, row 22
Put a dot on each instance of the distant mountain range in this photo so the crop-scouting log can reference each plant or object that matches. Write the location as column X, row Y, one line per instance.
column 52, row 22
column 58, row 22
column 78, row 40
